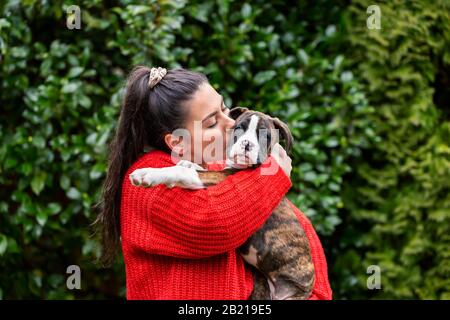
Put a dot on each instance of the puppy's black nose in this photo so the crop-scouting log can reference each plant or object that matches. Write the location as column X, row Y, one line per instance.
column 247, row 145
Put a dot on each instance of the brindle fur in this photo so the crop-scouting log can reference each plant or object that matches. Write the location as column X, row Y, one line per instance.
column 283, row 253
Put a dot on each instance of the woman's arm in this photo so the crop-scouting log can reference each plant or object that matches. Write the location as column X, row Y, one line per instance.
column 201, row 223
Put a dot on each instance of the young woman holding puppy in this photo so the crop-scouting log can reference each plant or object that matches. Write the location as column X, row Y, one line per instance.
column 179, row 243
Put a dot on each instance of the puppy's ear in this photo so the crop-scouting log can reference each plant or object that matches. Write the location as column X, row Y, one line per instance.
column 285, row 134
column 236, row 112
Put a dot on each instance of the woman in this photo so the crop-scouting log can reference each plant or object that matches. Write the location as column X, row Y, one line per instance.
column 179, row 243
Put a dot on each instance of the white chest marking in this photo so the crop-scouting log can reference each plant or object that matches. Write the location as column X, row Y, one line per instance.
column 248, row 138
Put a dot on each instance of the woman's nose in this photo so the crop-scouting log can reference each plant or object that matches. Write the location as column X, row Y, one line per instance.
column 228, row 125
column 230, row 122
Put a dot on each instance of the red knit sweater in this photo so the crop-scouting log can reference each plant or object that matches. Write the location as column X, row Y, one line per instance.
column 181, row 244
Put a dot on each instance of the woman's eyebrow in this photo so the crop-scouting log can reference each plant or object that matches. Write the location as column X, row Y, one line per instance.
column 212, row 113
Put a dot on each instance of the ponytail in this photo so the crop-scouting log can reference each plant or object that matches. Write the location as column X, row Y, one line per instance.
column 147, row 114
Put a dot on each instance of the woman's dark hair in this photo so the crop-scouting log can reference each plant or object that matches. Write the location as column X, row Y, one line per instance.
column 146, row 115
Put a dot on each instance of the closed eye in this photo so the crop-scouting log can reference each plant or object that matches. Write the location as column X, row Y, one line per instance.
column 225, row 110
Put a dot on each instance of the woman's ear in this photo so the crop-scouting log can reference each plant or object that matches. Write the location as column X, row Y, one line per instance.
column 175, row 143
column 236, row 112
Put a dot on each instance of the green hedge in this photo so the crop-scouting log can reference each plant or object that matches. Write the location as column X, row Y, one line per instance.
column 307, row 64
column 399, row 199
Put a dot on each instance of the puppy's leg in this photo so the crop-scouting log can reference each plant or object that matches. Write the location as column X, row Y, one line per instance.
column 170, row 176
column 261, row 289
column 282, row 253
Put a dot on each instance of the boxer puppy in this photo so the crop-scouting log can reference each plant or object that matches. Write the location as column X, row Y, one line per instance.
column 279, row 251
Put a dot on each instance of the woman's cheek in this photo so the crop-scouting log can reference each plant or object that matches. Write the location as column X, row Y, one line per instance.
column 214, row 138
column 211, row 135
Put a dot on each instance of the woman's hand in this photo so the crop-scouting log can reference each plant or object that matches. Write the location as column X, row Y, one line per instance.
column 278, row 153
column 281, row 157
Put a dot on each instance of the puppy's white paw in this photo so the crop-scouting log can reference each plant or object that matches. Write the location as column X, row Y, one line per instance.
column 191, row 181
column 184, row 177
column 137, row 175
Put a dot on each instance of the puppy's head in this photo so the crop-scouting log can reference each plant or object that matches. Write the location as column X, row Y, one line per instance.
column 254, row 135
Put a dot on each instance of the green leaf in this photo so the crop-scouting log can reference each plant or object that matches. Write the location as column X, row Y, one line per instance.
column 41, row 217
column 75, row 72
column 69, row 87
column 332, row 142
column 73, row 194
column 246, row 10
column 46, row 67
column 346, row 76
column 39, row 142
column 303, row 56
column 85, row 101
column 3, row 244
column 38, row 182
column 54, row 208
column 264, row 76
column 97, row 171
column 64, row 182
column 138, row 9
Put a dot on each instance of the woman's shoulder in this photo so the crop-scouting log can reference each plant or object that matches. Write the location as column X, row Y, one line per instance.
column 153, row 159
column 156, row 157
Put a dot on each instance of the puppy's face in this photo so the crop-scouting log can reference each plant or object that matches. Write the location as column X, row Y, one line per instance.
column 254, row 135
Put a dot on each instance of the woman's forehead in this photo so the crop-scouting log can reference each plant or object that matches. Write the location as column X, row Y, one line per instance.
column 204, row 101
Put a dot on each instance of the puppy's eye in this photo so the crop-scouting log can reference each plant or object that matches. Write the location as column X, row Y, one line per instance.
column 236, row 135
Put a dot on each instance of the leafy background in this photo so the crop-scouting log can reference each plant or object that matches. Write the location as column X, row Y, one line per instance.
column 369, row 111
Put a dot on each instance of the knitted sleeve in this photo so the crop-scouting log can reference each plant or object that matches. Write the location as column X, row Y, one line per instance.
column 193, row 224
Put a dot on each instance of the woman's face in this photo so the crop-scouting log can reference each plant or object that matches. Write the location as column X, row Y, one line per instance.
column 209, row 126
